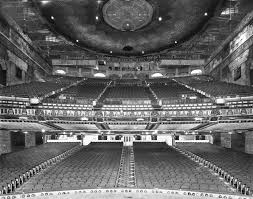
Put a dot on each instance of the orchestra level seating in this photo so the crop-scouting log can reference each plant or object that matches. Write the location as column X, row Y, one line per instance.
column 160, row 166
column 95, row 166
column 237, row 164
column 14, row 164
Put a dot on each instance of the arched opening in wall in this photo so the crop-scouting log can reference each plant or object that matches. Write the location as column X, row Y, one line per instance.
column 3, row 75
column 38, row 138
column 17, row 140
column 137, row 137
column 197, row 72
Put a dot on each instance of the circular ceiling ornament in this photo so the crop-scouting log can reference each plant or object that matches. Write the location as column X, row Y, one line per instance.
column 112, row 25
column 127, row 15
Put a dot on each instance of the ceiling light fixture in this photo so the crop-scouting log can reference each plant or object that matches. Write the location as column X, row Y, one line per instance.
column 160, row 18
column 44, row 2
column 206, row 14
column 77, row 40
column 97, row 18
column 99, row 75
column 52, row 17
column 111, row 52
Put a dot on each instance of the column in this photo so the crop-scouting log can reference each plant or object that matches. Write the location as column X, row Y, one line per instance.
column 249, row 142
column 30, row 140
column 5, row 141
column 226, row 140
column 216, row 138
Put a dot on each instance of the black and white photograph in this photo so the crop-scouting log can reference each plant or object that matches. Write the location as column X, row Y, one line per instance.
column 126, row 99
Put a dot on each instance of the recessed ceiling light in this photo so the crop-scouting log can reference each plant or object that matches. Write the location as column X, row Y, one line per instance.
column 61, row 72
column 111, row 52
column 52, row 17
column 45, row 2
column 99, row 75
column 160, row 18
column 77, row 40
column 142, row 52
column 175, row 42
column 97, row 18
column 206, row 14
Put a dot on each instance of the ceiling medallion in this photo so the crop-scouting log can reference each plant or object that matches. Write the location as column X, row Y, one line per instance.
column 127, row 15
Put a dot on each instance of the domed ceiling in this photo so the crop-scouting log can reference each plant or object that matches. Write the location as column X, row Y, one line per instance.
column 127, row 27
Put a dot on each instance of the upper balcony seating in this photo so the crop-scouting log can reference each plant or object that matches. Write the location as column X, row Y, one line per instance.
column 237, row 164
column 127, row 107
column 95, row 166
column 14, row 164
column 215, row 88
column 194, row 79
column 223, row 89
column 171, row 90
column 87, row 89
column 160, row 166
column 127, row 92
column 85, row 92
column 32, row 89
column 64, row 79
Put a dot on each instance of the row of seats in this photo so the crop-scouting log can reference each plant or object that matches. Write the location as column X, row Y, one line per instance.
column 156, row 165
column 16, row 164
column 237, row 164
column 64, row 79
column 163, row 88
column 222, row 89
column 33, row 89
column 85, row 90
column 194, row 79
column 95, row 166
column 83, row 93
column 230, row 180
column 171, row 90
column 127, row 92
column 160, row 166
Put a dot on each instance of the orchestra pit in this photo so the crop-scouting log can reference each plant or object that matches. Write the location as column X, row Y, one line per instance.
column 126, row 99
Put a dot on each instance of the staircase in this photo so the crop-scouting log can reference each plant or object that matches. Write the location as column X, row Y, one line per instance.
column 54, row 126
column 152, row 126
column 103, row 94
column 126, row 175
column 152, row 96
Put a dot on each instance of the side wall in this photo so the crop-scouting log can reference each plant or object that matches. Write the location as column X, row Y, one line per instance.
column 234, row 62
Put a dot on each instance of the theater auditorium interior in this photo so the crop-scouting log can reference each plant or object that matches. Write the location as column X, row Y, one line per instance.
column 126, row 99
